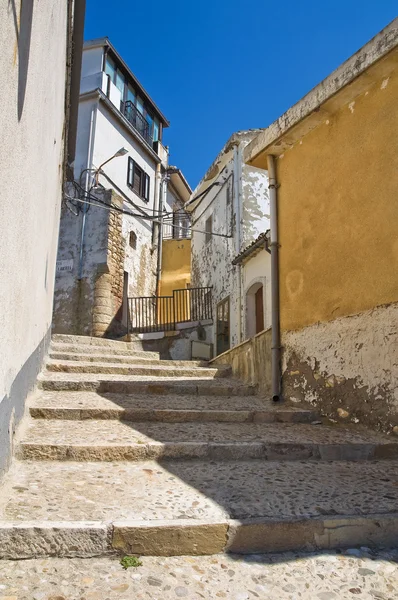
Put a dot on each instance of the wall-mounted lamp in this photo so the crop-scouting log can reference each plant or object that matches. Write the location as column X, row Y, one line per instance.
column 120, row 152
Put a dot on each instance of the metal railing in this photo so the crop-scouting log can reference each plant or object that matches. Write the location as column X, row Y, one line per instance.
column 149, row 314
column 137, row 120
column 177, row 226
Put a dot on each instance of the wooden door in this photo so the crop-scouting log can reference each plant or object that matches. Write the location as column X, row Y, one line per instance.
column 259, row 310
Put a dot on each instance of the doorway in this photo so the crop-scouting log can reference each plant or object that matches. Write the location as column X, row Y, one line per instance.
column 254, row 310
column 222, row 327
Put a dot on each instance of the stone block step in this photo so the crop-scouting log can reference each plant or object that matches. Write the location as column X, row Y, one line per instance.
column 101, row 440
column 136, row 384
column 172, row 409
column 157, row 370
column 69, row 352
column 85, row 340
column 137, row 358
column 195, row 507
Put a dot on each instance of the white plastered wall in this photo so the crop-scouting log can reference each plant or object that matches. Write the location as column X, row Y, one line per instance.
column 32, row 100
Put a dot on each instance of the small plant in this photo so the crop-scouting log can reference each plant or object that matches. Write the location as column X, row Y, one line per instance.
column 130, row 561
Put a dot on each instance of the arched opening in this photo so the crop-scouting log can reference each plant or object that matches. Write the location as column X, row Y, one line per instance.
column 255, row 310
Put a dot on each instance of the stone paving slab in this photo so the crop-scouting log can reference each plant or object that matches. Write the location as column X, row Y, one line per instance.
column 152, row 370
column 85, row 340
column 110, row 440
column 89, row 405
column 143, row 384
column 193, row 489
column 136, row 358
column 134, row 350
column 290, row 576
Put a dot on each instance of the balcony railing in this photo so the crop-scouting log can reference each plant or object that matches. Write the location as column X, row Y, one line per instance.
column 177, row 226
column 137, row 120
column 150, row 314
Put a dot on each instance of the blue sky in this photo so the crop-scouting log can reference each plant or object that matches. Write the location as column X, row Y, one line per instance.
column 218, row 66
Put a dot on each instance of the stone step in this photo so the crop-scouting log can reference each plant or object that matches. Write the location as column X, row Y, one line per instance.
column 156, row 370
column 110, row 440
column 85, row 340
column 136, row 384
column 70, row 352
column 137, row 358
column 196, row 507
column 172, row 409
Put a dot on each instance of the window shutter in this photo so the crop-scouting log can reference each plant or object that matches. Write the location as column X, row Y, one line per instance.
column 137, row 180
column 130, row 172
column 146, row 182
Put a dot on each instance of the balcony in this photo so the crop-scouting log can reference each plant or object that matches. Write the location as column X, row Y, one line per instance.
column 133, row 115
column 177, row 226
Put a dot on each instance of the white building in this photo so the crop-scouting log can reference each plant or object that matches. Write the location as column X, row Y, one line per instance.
column 40, row 70
column 230, row 211
column 116, row 117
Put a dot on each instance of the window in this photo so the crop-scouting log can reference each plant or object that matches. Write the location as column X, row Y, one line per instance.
column 155, row 130
column 110, row 68
column 137, row 180
column 130, row 94
column 148, row 126
column 133, row 240
column 120, row 83
column 209, row 228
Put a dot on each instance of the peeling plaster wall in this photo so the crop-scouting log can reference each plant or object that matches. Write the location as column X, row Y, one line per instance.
column 255, row 204
column 212, row 260
column 338, row 220
column 74, row 298
column 348, row 367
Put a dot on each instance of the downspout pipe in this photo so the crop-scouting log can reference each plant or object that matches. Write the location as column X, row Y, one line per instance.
column 76, row 59
column 87, row 188
column 162, row 203
column 237, row 180
column 275, row 322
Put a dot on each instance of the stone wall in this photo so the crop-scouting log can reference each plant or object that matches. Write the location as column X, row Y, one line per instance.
column 347, row 367
column 251, row 361
column 92, row 304
column 176, row 345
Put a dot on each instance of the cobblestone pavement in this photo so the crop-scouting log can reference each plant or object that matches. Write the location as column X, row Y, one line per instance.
column 289, row 576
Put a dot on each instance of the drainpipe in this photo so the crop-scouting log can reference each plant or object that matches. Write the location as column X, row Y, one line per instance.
column 276, row 340
column 162, row 203
column 76, row 60
column 87, row 186
column 237, row 165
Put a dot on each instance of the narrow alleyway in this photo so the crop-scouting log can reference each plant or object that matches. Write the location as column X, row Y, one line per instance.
column 122, row 452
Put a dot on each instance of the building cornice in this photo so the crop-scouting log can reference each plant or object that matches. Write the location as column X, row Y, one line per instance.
column 308, row 112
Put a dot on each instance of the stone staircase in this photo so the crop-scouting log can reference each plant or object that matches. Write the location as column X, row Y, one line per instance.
column 124, row 453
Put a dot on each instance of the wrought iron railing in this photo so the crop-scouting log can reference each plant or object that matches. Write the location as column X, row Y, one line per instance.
column 177, row 226
column 150, row 314
column 137, row 120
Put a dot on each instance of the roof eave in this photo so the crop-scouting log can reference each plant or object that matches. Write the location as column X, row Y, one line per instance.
column 269, row 140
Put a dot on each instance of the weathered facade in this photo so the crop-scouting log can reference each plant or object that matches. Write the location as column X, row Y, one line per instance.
column 175, row 271
column 230, row 209
column 119, row 148
column 35, row 108
column 337, row 176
